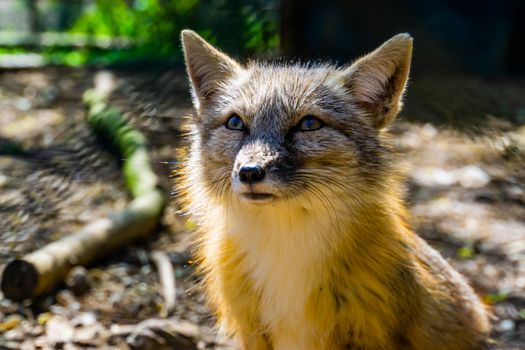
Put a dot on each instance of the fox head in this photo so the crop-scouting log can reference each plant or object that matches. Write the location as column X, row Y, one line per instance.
column 264, row 133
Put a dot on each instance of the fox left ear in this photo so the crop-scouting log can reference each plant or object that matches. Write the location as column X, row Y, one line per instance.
column 377, row 81
column 208, row 68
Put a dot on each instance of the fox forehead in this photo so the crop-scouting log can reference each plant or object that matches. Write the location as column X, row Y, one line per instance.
column 282, row 94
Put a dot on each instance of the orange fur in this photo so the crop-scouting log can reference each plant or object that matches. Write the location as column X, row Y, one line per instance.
column 333, row 266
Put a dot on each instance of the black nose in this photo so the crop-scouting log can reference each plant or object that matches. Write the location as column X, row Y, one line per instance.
column 251, row 173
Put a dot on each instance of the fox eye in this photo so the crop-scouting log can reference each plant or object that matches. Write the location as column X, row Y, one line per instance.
column 310, row 123
column 234, row 122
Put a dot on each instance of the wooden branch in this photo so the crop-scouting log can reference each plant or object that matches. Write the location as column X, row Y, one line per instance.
column 167, row 280
column 39, row 271
column 160, row 334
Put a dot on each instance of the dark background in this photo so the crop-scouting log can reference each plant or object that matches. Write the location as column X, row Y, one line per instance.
column 485, row 38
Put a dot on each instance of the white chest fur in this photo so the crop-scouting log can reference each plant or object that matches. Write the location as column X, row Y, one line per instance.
column 283, row 251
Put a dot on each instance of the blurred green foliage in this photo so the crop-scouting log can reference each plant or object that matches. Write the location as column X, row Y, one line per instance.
column 495, row 298
column 152, row 27
column 466, row 252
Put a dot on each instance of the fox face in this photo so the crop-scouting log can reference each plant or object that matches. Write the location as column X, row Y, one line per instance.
column 264, row 132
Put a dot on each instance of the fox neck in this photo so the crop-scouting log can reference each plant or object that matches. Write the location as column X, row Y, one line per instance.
column 319, row 229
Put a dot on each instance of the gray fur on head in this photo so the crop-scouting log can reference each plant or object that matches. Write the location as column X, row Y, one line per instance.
column 353, row 103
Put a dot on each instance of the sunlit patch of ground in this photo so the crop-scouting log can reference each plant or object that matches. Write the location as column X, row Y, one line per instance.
column 467, row 197
column 466, row 194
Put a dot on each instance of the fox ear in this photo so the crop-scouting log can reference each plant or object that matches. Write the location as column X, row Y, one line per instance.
column 377, row 81
column 207, row 67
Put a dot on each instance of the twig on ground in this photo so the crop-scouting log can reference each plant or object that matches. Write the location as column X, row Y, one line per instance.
column 167, row 280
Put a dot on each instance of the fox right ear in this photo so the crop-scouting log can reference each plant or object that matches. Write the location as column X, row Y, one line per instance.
column 208, row 68
column 377, row 81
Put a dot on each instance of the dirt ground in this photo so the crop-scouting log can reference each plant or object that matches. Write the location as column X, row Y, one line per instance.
column 466, row 192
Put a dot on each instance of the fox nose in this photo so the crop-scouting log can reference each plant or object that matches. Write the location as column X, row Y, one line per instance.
column 251, row 173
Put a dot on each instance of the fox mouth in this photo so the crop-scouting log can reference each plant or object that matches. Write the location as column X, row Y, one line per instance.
column 258, row 197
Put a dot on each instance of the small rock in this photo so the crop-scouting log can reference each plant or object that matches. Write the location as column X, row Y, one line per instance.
column 66, row 299
column 429, row 131
column 78, row 280
column 14, row 335
column 60, row 310
column 128, row 282
column 59, row 330
column 145, row 270
column 36, row 330
column 40, row 342
column 86, row 334
column 68, row 346
column 472, row 176
column 121, row 330
column 7, row 306
column 115, row 297
column 506, row 326
column 431, row 176
column 27, row 345
column 23, row 104
column 9, row 345
column 84, row 319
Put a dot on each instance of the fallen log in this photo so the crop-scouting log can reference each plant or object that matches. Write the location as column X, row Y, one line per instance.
column 39, row 271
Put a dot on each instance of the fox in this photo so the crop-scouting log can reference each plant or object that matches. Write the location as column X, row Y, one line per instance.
column 303, row 237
